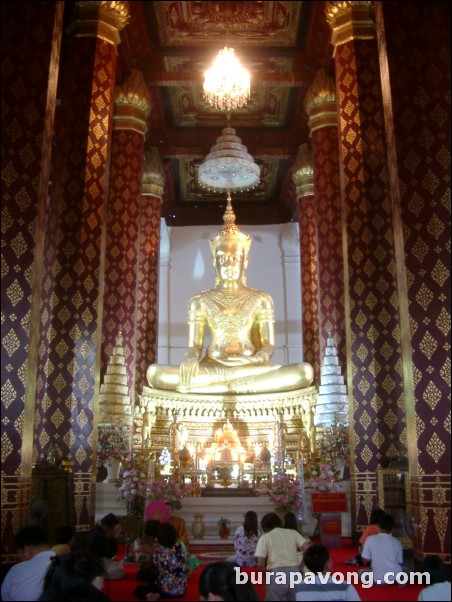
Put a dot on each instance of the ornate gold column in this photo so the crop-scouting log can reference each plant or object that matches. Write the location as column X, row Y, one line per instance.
column 71, row 336
column 374, row 358
column 303, row 178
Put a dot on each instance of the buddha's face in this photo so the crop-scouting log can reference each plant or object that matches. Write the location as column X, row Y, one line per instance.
column 230, row 262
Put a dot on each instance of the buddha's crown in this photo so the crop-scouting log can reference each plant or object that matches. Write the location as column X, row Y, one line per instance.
column 230, row 233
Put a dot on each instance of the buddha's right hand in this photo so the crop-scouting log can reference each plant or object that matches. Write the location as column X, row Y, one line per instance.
column 188, row 370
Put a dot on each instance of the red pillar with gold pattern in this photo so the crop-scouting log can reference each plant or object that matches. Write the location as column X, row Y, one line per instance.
column 132, row 105
column 320, row 105
column 303, row 178
column 416, row 74
column 72, row 299
column 30, row 59
column 374, row 355
column 148, row 290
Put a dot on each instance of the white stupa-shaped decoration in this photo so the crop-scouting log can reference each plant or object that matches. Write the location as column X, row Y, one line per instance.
column 115, row 406
column 332, row 400
column 228, row 166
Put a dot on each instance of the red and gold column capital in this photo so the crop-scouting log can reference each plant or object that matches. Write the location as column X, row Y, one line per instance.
column 102, row 20
column 132, row 104
column 303, row 172
column 153, row 174
column 350, row 21
column 320, row 102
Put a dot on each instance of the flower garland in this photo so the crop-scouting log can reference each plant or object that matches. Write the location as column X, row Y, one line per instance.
column 322, row 480
column 286, row 493
column 112, row 443
column 334, row 443
column 170, row 493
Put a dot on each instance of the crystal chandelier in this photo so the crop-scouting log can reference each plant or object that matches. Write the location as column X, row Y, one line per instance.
column 226, row 83
column 228, row 166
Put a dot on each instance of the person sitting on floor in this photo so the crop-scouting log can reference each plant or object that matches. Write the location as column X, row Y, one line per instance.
column 169, row 559
column 439, row 587
column 73, row 576
column 372, row 529
column 218, row 581
column 24, row 580
column 291, row 522
column 317, row 560
column 277, row 551
column 103, row 541
column 245, row 541
column 383, row 552
column 144, row 548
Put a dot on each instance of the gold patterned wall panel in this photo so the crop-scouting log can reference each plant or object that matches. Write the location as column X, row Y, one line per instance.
column 29, row 78
column 374, row 370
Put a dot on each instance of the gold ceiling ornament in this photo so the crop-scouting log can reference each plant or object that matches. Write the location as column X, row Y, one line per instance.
column 132, row 103
column 102, row 20
column 153, row 181
column 350, row 21
column 303, row 172
column 228, row 166
column 118, row 10
column 226, row 83
column 322, row 89
column 320, row 102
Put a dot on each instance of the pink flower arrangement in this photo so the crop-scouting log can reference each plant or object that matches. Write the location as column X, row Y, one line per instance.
column 133, row 485
column 285, row 491
column 322, row 480
column 170, row 493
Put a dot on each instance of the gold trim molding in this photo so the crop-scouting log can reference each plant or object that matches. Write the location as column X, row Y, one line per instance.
column 102, row 20
column 199, row 407
column 350, row 21
column 320, row 102
column 132, row 104
column 303, row 172
column 153, row 183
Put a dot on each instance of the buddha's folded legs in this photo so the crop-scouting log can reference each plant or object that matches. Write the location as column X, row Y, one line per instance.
column 242, row 379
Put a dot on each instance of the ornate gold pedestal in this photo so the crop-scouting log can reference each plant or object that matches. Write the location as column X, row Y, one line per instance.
column 281, row 422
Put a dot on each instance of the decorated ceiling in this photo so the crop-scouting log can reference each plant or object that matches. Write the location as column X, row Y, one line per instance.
column 282, row 44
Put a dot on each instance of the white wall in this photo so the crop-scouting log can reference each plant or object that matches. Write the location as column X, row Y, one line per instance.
column 186, row 268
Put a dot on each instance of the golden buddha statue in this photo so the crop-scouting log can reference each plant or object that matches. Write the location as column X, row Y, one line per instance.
column 241, row 321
